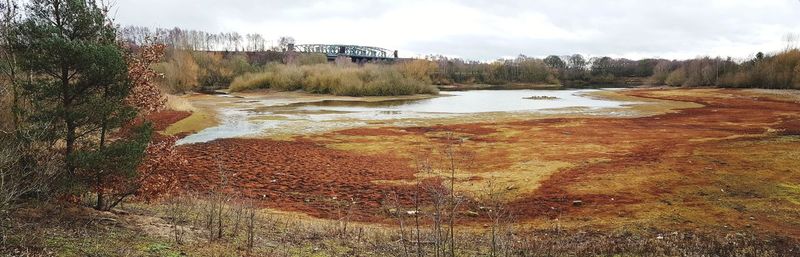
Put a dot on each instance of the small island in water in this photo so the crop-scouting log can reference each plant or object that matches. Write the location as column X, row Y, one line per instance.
column 541, row 97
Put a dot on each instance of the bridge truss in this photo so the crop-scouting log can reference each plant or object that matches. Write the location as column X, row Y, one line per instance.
column 353, row 51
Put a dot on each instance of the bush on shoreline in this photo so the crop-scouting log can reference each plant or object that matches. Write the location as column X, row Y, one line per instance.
column 776, row 71
column 369, row 80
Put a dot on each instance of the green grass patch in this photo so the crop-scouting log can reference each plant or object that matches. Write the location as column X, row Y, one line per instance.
column 792, row 192
column 199, row 120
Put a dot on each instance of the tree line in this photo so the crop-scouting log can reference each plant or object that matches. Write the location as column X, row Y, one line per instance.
column 199, row 60
column 186, row 70
column 778, row 70
column 568, row 70
column 781, row 70
column 197, row 40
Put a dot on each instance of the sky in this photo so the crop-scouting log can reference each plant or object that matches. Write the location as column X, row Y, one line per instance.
column 491, row 29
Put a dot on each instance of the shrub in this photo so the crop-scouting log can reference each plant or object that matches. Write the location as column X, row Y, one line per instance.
column 251, row 81
column 194, row 70
column 418, row 69
column 311, row 59
column 602, row 79
column 676, row 77
column 180, row 72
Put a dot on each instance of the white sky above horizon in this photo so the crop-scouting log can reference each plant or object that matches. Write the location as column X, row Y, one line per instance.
column 487, row 30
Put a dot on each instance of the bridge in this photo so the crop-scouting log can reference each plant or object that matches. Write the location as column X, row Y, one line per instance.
column 354, row 52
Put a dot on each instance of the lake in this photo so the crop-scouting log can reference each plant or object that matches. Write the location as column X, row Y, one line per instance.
column 249, row 118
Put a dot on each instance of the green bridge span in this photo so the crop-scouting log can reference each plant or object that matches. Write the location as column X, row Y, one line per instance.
column 355, row 52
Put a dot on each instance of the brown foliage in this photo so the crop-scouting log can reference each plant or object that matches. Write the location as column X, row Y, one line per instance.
column 418, row 69
column 145, row 94
column 154, row 177
column 157, row 172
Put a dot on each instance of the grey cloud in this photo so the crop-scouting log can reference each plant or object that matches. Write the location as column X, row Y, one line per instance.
column 671, row 29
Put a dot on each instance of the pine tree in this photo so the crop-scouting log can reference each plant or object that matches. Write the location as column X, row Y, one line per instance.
column 79, row 81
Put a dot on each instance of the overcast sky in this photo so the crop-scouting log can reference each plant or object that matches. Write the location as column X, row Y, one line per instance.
column 490, row 29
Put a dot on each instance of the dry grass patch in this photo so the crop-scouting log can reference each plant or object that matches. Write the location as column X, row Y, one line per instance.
column 200, row 119
column 179, row 103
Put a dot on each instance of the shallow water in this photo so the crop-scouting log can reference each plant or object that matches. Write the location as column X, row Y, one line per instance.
column 473, row 102
column 263, row 117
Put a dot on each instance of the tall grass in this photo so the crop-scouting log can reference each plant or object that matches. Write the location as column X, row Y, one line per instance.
column 177, row 103
column 369, row 80
column 185, row 71
column 180, row 72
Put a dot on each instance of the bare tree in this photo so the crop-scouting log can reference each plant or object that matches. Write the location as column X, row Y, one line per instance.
column 8, row 61
column 791, row 40
column 493, row 205
column 443, row 164
column 396, row 209
column 236, row 39
column 284, row 42
column 27, row 163
column 251, row 221
column 178, row 209
column 456, row 159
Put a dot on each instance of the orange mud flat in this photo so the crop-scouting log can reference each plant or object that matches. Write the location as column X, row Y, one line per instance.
column 295, row 176
column 161, row 120
column 732, row 163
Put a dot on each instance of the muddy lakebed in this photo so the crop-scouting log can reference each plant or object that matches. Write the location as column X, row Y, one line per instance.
column 253, row 115
column 649, row 157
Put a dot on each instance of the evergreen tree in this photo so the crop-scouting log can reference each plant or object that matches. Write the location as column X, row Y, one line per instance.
column 79, row 80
